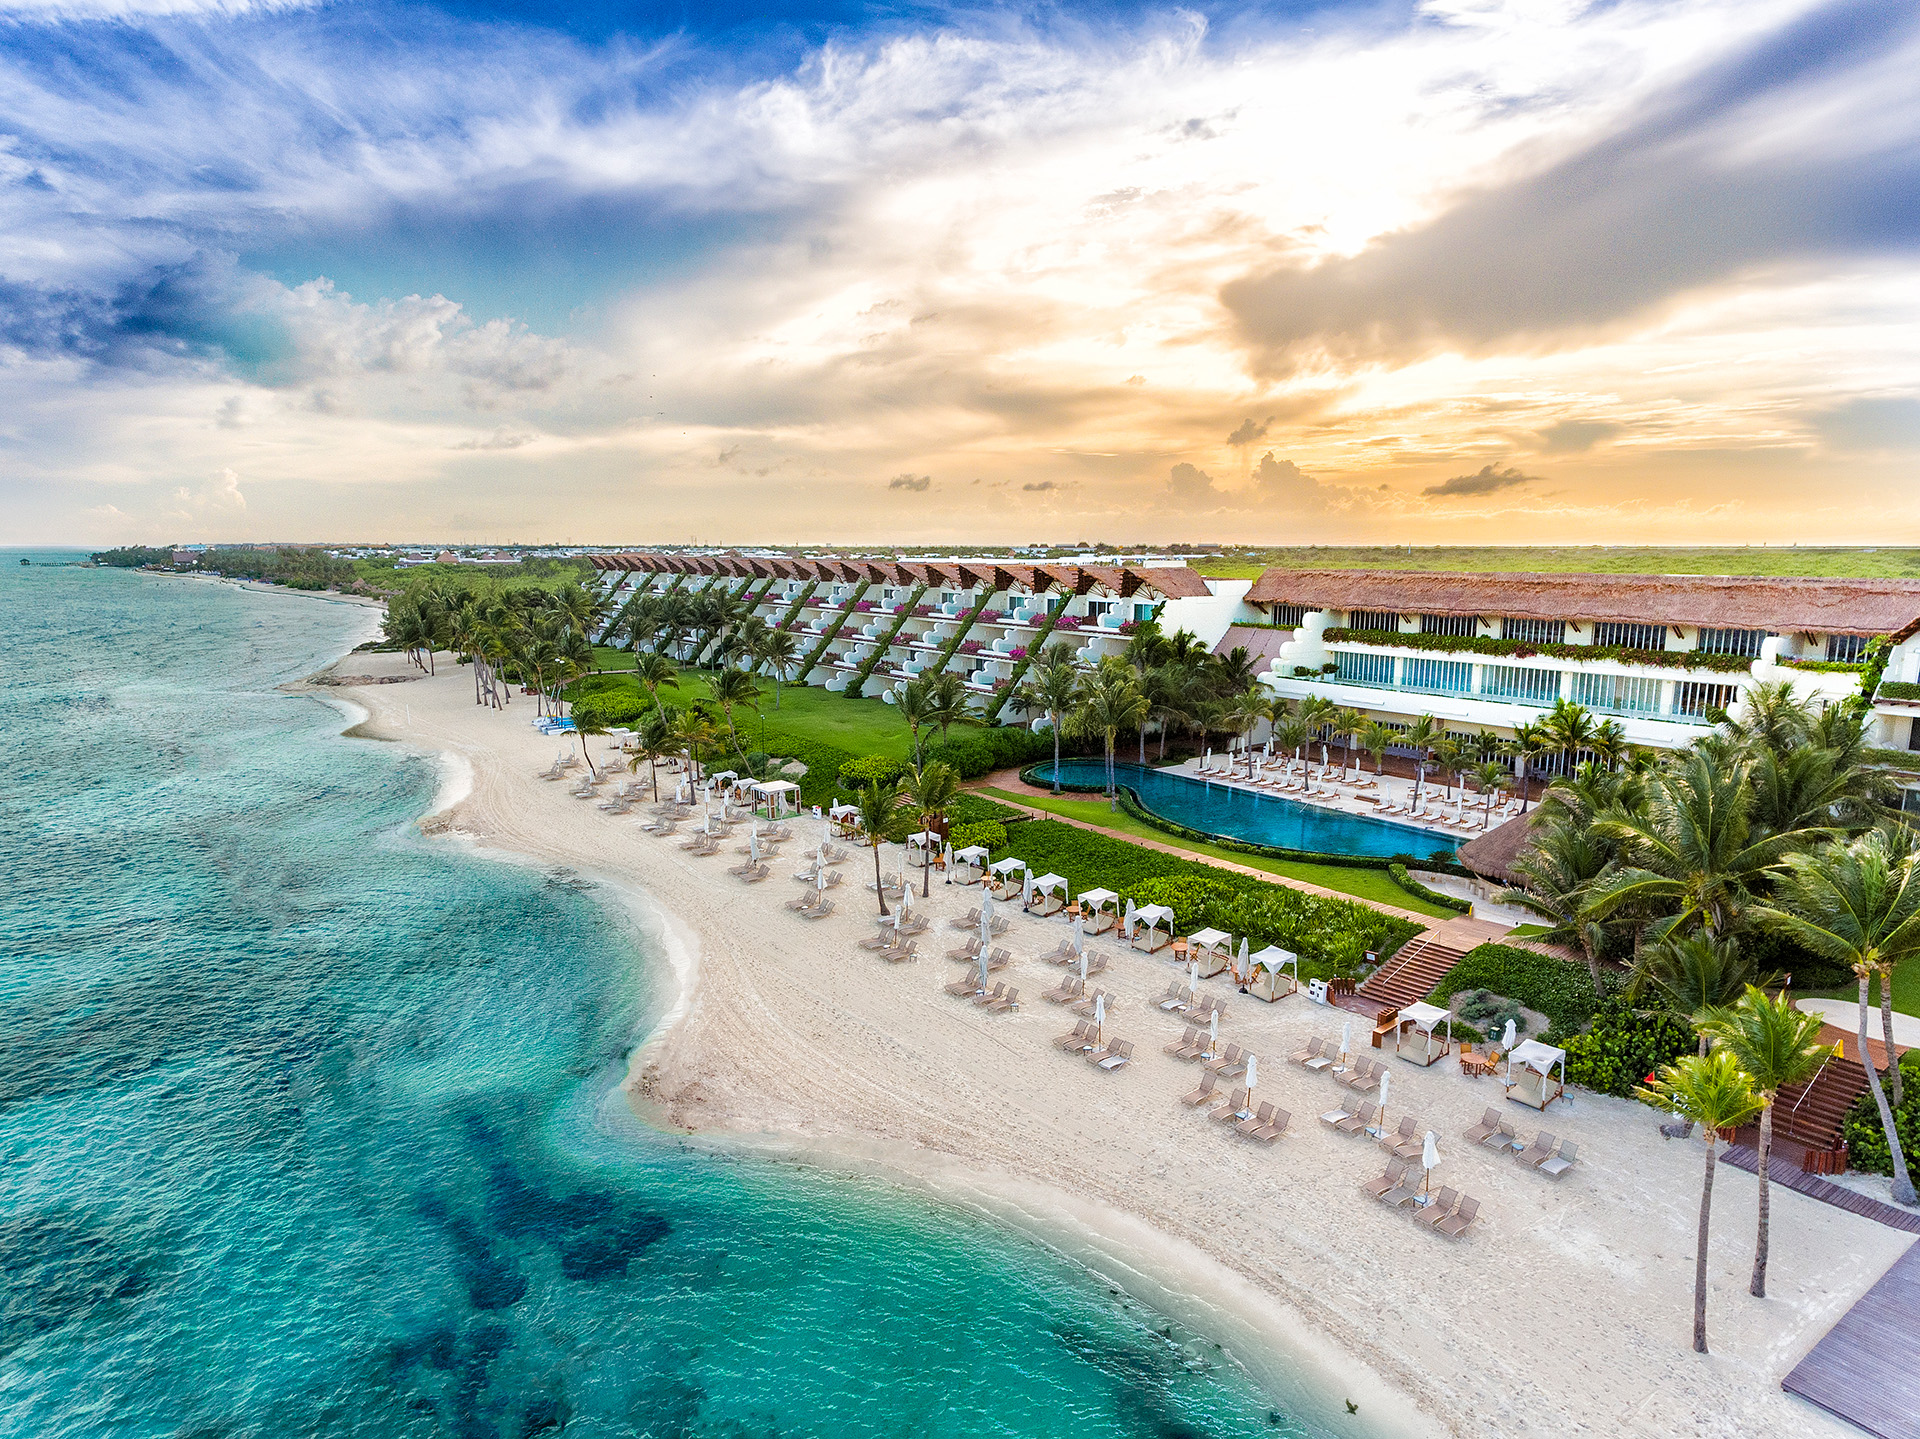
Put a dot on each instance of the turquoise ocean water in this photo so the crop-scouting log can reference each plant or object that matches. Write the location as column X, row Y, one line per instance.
column 305, row 1125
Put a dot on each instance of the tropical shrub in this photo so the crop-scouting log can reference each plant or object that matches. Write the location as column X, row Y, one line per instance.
column 972, row 809
column 611, row 707
column 1557, row 988
column 869, row 769
column 1488, row 1012
column 982, row 751
column 989, row 832
column 1624, row 1046
column 1867, row 1141
column 820, row 784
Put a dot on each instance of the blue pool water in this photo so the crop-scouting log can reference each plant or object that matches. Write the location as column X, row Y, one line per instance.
column 306, row 1122
column 1259, row 818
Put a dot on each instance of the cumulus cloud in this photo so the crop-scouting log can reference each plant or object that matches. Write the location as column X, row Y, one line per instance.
column 1040, row 487
column 1572, row 437
column 500, row 439
column 1484, row 481
column 916, row 483
column 1189, row 482
column 1247, row 432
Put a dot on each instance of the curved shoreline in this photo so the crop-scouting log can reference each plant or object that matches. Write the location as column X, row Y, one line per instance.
column 854, row 1066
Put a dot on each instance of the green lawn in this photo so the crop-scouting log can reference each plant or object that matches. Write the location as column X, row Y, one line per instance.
column 859, row 726
column 1571, row 559
column 1370, row 884
column 1906, row 991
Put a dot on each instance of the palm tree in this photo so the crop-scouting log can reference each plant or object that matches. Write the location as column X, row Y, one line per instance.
column 1858, row 904
column 1052, row 687
column 654, row 670
column 1529, row 739
column 878, row 803
column 1609, row 742
column 1713, row 1093
column 1420, row 737
column 1698, row 974
column 1348, row 724
column 777, row 652
column 1146, row 649
column 948, row 703
column 732, row 687
column 693, row 728
column 1109, row 701
column 1693, row 853
column 1376, row 738
column 1447, row 755
column 1557, row 871
column 587, row 725
column 1777, row 1045
column 1773, row 719
column 914, row 700
column 1316, row 712
column 931, row 789
column 1245, row 710
column 1490, row 777
column 659, row 736
column 1571, row 726
column 1169, row 690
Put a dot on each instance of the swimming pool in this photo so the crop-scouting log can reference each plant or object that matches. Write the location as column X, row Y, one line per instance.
column 1248, row 815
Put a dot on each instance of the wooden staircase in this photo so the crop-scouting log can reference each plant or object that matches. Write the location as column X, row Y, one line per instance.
column 1814, row 1114
column 1412, row 973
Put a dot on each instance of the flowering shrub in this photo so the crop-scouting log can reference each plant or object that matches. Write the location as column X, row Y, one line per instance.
column 1069, row 622
column 969, row 647
column 1018, row 652
column 923, row 609
column 900, row 609
column 864, row 605
column 1127, row 627
column 991, row 616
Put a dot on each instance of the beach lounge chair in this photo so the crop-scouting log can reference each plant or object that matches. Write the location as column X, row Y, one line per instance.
column 1408, row 1134
column 1455, row 1224
column 754, row 873
column 1365, row 1076
column 1230, row 1057
column 969, row 952
column 1096, row 962
column 1536, row 1153
column 1396, row 1171
column 969, row 920
column 882, row 940
column 1182, row 1048
column 1081, row 1037
column 1488, row 1126
column 1311, row 1052
column 963, row 988
column 899, row 953
column 1561, row 1162
column 1065, row 954
column 1088, row 1003
column 999, row 988
column 1237, row 1067
column 1235, row 1108
column 1009, row 1000
column 1407, row 1190
column 1358, row 1121
column 1174, row 998
column 914, row 924
column 1209, row 1087
column 1262, row 1115
column 818, row 911
column 1118, row 1054
column 1065, row 992
column 1442, row 1206
column 999, row 959
column 1275, row 1126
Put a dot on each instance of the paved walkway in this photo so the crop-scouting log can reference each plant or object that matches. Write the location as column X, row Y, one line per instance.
column 1845, row 1014
column 1008, row 781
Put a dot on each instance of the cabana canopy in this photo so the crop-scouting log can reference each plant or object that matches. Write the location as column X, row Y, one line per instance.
column 841, row 811
column 1538, row 1057
column 1207, row 938
column 775, row 786
column 1007, row 865
column 1047, row 883
column 972, row 854
column 1275, row 959
column 1094, row 898
column 1423, row 1016
column 724, row 774
column 1153, row 916
column 925, row 839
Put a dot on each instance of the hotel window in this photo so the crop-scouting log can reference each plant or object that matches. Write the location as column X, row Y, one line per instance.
column 1097, row 608
column 1699, row 701
column 1441, row 677
column 1516, row 682
column 1386, row 620
column 1631, row 637
column 1143, row 610
column 1534, row 632
column 1449, row 624
column 1731, row 642
column 1355, row 669
column 1847, row 649
column 1292, row 616
column 1617, row 694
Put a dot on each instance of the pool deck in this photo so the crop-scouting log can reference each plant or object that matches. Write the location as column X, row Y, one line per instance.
column 1348, row 801
column 1008, row 782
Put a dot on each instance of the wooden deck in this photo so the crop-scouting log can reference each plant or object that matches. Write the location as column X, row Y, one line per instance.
column 1864, row 1370
column 1784, row 1171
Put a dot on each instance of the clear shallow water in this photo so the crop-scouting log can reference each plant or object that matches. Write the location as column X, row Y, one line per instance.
column 306, row 1130
column 1258, row 818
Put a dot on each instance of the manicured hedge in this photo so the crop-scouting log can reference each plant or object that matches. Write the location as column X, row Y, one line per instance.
column 982, row 751
column 976, row 809
column 989, row 832
column 1397, row 872
column 1557, row 988
column 820, row 784
column 1624, row 1046
column 859, row 773
column 611, row 707
column 1867, row 1141
column 1331, row 936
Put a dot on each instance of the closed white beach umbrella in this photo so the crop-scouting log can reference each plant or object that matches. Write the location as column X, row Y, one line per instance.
column 906, row 901
column 986, row 928
column 1253, row 1071
column 1206, row 761
column 1079, row 935
column 1193, row 976
column 1429, row 1157
column 1242, row 971
column 1026, row 888
column 820, row 878
column 1083, row 966
column 1126, row 922
column 1506, row 1038
column 1213, row 1029
column 1346, row 1038
column 753, row 849
column 1099, row 1011
column 983, row 966
column 1386, row 1083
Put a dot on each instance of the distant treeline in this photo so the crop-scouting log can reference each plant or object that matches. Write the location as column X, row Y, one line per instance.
column 131, row 557
column 289, row 565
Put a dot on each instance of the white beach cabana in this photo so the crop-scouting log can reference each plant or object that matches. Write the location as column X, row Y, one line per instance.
column 1049, row 894
column 1211, row 949
column 781, row 796
column 1100, row 914
column 1275, row 973
column 1147, row 922
column 968, row 860
column 1530, row 1073
column 922, row 848
column 1416, row 1040
column 844, row 816
column 1004, row 870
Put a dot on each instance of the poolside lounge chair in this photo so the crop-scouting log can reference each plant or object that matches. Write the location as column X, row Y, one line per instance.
column 999, row 959
column 1365, row 1077
column 1096, row 962
column 1065, row 954
column 1174, row 998
column 1081, row 1038
column 914, row 924
column 883, row 940
column 1406, row 1141
column 1009, row 1000
column 754, row 873
column 969, row 920
column 1358, row 1121
column 1235, row 1108
column 1067, row 991
column 1182, row 1048
column 1229, row 1057
column 1536, row 1153
column 1275, row 1126
column 1118, row 1054
column 1396, row 1171
column 1233, row 1069
column 1310, row 1053
column 1561, row 1162
column 1209, row 1087
column 1262, row 1115
column 1455, row 1224
column 1488, row 1126
column 1442, row 1206
column 989, row 996
column 970, row 951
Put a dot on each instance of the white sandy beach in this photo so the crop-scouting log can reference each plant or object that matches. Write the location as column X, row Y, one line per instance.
column 1565, row 1310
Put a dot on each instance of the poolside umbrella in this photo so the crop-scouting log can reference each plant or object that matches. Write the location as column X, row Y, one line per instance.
column 1242, row 972
column 820, row 878
column 1193, row 976
column 986, row 927
column 983, row 968
column 753, row 849
column 1026, row 888
column 1099, row 1012
column 906, row 901
column 1207, row 761
column 1346, row 1039
column 1253, row 1071
column 1506, row 1039
column 1429, row 1157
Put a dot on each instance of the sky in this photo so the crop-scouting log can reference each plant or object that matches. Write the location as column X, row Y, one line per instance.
column 1454, row 271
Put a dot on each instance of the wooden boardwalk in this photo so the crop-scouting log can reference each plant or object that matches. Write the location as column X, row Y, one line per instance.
column 1864, row 1371
column 1788, row 1175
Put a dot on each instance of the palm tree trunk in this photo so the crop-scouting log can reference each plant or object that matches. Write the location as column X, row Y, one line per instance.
column 1894, row 1083
column 878, row 891
column 1902, row 1183
column 1758, row 1289
column 1700, row 1257
column 1054, row 715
